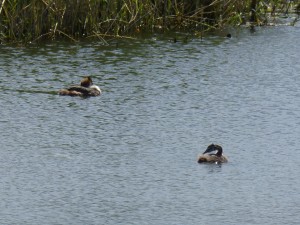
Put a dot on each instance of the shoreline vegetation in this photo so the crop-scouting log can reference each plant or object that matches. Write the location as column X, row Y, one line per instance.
column 30, row 21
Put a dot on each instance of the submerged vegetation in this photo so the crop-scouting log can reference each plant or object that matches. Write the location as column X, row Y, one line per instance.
column 32, row 20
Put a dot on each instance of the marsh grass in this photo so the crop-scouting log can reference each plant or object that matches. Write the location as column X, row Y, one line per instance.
column 33, row 20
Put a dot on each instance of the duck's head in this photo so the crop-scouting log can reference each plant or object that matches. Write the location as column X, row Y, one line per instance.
column 86, row 82
column 214, row 149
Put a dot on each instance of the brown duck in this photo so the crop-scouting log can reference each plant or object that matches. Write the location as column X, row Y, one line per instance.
column 85, row 89
column 215, row 157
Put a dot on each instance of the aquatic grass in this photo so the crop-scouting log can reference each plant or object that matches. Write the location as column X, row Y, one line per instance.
column 33, row 20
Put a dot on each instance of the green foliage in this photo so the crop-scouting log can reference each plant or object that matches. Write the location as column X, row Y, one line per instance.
column 31, row 20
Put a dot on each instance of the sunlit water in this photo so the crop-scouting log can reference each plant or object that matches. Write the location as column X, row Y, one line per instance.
column 129, row 156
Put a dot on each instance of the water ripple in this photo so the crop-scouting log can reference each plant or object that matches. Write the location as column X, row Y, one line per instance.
column 131, row 153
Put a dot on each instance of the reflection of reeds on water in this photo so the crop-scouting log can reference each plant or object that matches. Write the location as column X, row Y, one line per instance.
column 31, row 20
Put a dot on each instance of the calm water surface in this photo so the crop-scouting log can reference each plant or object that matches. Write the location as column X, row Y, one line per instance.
column 129, row 156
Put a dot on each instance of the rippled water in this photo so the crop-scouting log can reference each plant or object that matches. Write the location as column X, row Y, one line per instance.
column 129, row 156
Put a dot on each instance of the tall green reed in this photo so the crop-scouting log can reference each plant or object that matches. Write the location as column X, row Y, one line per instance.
column 31, row 20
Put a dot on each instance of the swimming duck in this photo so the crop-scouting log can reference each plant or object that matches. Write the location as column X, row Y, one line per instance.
column 85, row 89
column 216, row 157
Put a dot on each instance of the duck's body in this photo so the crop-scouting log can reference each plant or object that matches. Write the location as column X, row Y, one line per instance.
column 69, row 92
column 77, row 90
column 207, row 158
column 217, row 157
column 85, row 89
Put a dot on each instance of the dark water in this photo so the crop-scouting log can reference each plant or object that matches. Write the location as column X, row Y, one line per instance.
column 129, row 156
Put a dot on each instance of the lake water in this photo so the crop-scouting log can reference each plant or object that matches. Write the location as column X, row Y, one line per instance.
column 129, row 156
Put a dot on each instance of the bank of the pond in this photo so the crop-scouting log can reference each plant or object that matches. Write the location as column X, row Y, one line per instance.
column 31, row 21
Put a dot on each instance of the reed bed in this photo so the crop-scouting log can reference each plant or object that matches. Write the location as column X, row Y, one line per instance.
column 33, row 20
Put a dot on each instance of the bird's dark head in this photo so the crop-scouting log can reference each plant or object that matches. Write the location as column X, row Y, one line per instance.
column 215, row 149
column 86, row 82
